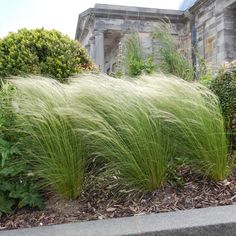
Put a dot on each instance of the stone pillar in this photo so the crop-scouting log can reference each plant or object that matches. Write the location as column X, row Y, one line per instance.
column 92, row 48
column 229, row 34
column 220, row 39
column 99, row 50
column 225, row 20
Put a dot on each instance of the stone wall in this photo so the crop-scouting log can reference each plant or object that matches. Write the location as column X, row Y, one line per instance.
column 101, row 30
column 206, row 30
column 215, row 27
column 205, row 23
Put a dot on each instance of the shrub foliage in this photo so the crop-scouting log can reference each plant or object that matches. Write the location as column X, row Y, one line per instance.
column 17, row 183
column 41, row 51
column 224, row 86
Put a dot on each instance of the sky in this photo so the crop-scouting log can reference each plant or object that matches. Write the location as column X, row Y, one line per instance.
column 61, row 15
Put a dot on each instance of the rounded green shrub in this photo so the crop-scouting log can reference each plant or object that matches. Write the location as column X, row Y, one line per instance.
column 40, row 51
column 224, row 86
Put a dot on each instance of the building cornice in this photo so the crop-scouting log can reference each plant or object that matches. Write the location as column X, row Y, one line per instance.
column 126, row 13
column 199, row 4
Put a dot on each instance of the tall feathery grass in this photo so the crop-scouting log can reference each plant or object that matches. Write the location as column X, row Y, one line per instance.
column 56, row 151
column 185, row 118
column 136, row 129
column 171, row 59
column 117, row 120
column 134, row 59
column 195, row 123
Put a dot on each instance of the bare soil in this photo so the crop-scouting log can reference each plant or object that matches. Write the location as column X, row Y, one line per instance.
column 102, row 202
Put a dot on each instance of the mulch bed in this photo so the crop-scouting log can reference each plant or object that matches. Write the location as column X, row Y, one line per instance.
column 96, row 203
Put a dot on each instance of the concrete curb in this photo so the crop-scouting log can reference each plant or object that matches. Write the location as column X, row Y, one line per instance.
column 213, row 221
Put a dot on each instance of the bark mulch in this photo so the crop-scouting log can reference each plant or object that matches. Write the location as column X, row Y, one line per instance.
column 101, row 202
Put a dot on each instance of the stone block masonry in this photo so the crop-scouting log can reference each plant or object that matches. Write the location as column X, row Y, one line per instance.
column 209, row 26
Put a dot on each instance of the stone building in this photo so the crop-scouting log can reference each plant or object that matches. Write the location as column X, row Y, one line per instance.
column 209, row 26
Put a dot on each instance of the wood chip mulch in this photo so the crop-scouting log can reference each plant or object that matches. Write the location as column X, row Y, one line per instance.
column 96, row 203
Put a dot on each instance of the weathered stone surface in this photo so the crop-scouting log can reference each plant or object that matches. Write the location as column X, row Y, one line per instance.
column 214, row 22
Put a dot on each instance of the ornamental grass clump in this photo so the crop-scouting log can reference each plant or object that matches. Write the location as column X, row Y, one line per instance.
column 54, row 148
column 195, row 123
column 172, row 60
column 183, row 118
column 116, row 116
column 135, row 60
column 135, row 130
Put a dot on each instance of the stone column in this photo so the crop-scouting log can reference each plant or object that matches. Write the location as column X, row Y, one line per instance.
column 92, row 48
column 225, row 32
column 229, row 34
column 99, row 50
column 220, row 25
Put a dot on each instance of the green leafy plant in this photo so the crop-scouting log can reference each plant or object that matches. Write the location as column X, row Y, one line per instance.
column 41, row 51
column 17, row 187
column 6, row 150
column 206, row 80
